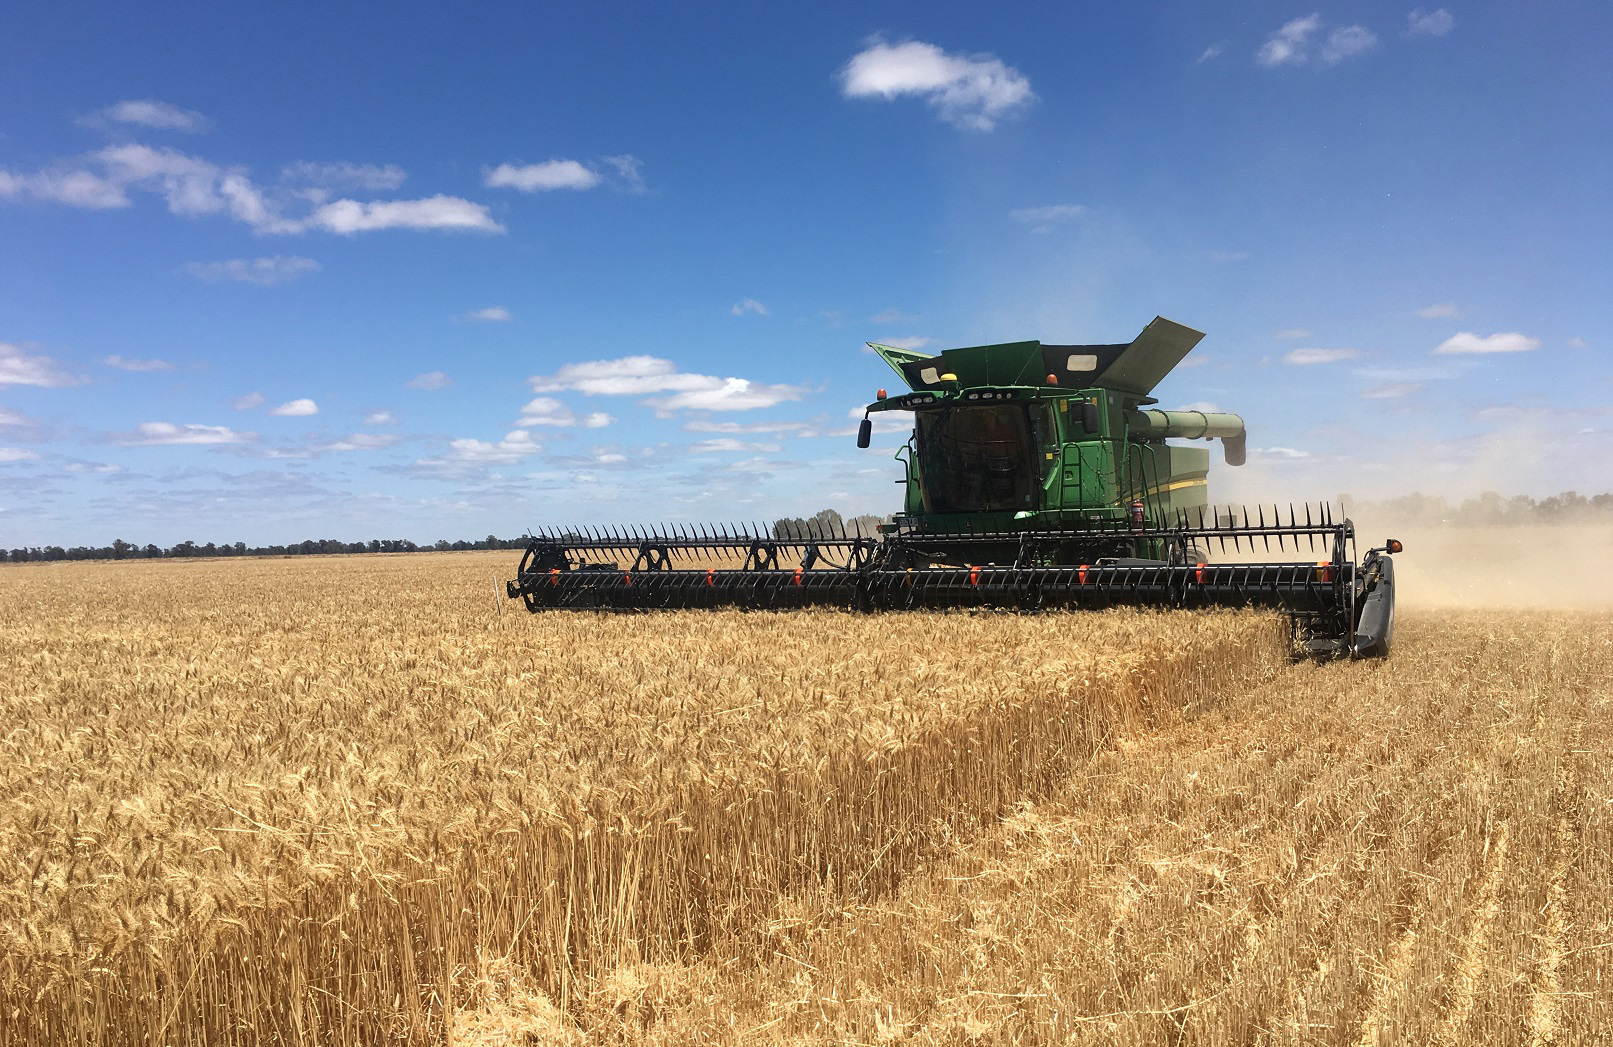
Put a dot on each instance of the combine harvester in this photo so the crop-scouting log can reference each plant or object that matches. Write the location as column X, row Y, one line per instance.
column 1035, row 479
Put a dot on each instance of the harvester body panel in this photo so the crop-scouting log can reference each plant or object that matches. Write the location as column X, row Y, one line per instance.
column 1036, row 476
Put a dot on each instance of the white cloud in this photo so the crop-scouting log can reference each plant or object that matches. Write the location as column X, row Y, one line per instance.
column 1213, row 51
column 17, row 454
column 1319, row 356
column 1576, row 343
column 910, row 342
column 891, row 316
column 1393, row 391
column 452, row 213
column 11, row 418
column 247, row 402
column 727, row 444
column 1202, row 406
column 968, row 91
column 1348, row 42
column 1046, row 217
column 630, row 170
column 148, row 112
column 380, row 418
column 538, row 178
column 124, row 364
column 493, row 314
column 73, row 188
column 265, row 272
column 361, row 442
column 644, row 375
column 1468, row 342
column 192, row 186
column 739, row 428
column 167, row 433
column 748, row 305
column 19, row 368
column 1294, row 332
column 515, row 446
column 1429, row 23
column 1282, row 452
column 546, row 410
column 301, row 408
column 1290, row 44
column 430, row 381
column 343, row 175
column 1443, row 311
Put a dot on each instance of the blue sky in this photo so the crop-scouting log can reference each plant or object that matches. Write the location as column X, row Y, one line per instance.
column 270, row 272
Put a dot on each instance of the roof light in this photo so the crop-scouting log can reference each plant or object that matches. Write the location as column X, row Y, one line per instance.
column 879, row 394
column 1052, row 379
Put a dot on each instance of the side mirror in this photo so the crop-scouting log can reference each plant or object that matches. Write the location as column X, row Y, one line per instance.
column 865, row 432
column 1091, row 421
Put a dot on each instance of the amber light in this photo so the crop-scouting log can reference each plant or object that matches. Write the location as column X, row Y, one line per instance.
column 879, row 394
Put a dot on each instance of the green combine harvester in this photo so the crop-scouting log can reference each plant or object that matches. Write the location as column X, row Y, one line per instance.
column 1037, row 477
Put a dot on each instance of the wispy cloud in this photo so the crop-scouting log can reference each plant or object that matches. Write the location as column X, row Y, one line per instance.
column 361, row 442
column 515, row 445
column 1293, row 43
column 1392, row 391
column 17, row 454
column 539, row 178
column 430, row 381
column 167, row 433
column 300, row 408
column 380, row 418
column 192, row 187
column 1442, row 311
column 1294, row 332
column 126, row 364
column 343, row 175
column 748, row 305
column 265, row 272
column 451, row 213
column 493, row 314
column 1213, row 51
column 968, row 91
column 1306, row 357
column 705, row 425
column 247, row 402
column 148, row 112
column 1290, row 45
column 1437, row 22
column 910, row 342
column 1043, row 219
column 20, row 368
column 12, row 418
column 1348, row 42
column 727, row 445
column 1467, row 342
column 891, row 316
column 630, row 170
column 1576, row 343
column 546, row 410
column 646, row 375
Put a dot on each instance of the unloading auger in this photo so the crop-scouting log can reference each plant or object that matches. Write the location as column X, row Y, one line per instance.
column 1036, row 478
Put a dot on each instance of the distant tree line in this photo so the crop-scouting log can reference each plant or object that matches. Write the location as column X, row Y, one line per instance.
column 1487, row 510
column 823, row 524
column 122, row 550
column 826, row 523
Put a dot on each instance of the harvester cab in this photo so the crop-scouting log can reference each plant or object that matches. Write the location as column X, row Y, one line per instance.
column 1036, row 476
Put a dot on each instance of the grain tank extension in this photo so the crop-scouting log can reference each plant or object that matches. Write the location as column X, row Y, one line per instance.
column 1036, row 477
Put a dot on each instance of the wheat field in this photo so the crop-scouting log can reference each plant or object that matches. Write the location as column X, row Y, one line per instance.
column 346, row 801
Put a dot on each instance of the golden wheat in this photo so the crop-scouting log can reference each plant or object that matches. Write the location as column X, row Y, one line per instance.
column 343, row 801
